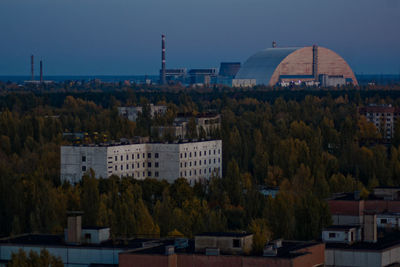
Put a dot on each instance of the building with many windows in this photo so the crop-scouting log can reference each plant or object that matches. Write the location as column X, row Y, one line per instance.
column 383, row 117
column 191, row 160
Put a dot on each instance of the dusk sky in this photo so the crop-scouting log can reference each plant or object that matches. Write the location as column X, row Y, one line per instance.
column 122, row 37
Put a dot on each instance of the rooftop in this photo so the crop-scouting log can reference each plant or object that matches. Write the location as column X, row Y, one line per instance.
column 58, row 241
column 340, row 227
column 223, row 234
column 392, row 240
column 288, row 250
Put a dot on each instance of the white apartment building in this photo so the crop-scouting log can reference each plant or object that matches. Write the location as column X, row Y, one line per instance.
column 169, row 161
column 132, row 113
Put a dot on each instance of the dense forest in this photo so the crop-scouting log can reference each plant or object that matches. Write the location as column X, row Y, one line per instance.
column 310, row 143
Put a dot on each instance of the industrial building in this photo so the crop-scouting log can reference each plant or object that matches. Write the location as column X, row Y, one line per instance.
column 311, row 65
column 225, row 249
column 191, row 160
column 383, row 117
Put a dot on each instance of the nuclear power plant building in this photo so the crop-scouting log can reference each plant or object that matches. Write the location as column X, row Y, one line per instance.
column 309, row 65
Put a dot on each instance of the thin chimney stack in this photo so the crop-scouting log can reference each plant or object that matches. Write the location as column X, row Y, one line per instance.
column 162, row 78
column 41, row 71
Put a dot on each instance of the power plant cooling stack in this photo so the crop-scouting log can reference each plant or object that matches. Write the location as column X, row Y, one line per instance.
column 162, row 78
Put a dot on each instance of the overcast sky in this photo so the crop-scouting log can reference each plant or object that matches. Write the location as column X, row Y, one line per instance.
column 122, row 37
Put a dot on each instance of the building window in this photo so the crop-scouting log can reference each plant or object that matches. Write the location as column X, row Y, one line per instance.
column 199, row 153
column 156, row 164
column 149, row 164
column 133, row 156
column 156, row 174
column 185, row 164
column 200, row 162
column 127, row 166
column 195, row 154
column 190, row 173
column 138, row 165
column 200, row 171
column 181, row 164
column 236, row 243
column 122, row 167
column 83, row 158
column 83, row 168
column 214, row 161
column 115, row 167
column 219, row 151
column 219, row 160
column 209, row 152
column 205, row 162
column 209, row 170
column 143, row 165
column 190, row 164
column 205, row 153
column 116, row 158
column 144, row 155
column 209, row 161
column 332, row 235
column 156, row 155
column 181, row 155
column 185, row 155
column 190, row 154
column 144, row 174
column 127, row 157
column 138, row 156
column 149, row 155
column 194, row 172
column 149, row 174
column 133, row 166
column 122, row 158
column 195, row 162
column 214, row 151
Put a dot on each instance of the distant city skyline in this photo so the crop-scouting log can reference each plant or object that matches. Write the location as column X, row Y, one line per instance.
column 122, row 37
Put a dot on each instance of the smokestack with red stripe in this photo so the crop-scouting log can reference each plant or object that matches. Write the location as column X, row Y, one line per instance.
column 162, row 78
column 41, row 71
column 32, row 69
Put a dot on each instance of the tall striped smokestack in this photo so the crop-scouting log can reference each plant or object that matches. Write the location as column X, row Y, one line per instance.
column 41, row 71
column 162, row 78
column 315, row 62
column 32, row 68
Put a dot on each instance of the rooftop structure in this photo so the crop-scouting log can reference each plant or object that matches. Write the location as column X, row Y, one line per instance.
column 277, row 64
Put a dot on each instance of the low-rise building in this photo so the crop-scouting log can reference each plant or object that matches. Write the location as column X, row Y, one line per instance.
column 132, row 113
column 206, row 124
column 225, row 249
column 191, row 160
column 84, row 247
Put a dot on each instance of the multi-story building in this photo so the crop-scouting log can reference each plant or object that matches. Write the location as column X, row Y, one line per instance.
column 383, row 117
column 131, row 113
column 191, row 160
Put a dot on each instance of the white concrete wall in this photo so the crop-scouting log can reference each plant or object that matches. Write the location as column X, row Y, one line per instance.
column 72, row 162
column 350, row 258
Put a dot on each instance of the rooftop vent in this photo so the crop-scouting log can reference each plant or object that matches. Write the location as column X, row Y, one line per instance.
column 212, row 251
column 169, row 250
column 270, row 251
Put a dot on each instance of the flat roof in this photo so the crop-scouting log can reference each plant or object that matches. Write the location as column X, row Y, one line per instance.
column 288, row 250
column 58, row 241
column 386, row 242
column 223, row 234
column 340, row 227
